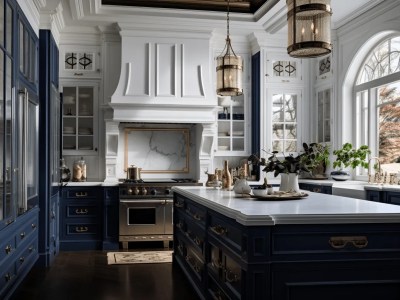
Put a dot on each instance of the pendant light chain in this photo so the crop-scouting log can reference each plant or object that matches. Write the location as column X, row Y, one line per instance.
column 227, row 22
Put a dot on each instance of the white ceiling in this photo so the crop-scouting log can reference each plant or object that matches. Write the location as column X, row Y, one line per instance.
column 345, row 10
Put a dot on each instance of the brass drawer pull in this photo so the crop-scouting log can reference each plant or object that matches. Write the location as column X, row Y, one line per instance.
column 180, row 248
column 216, row 264
column 8, row 249
column 81, row 194
column 179, row 225
column 217, row 295
column 194, row 215
column 231, row 276
column 81, row 211
column 8, row 277
column 179, row 204
column 198, row 241
column 81, row 229
column 340, row 242
column 193, row 263
column 218, row 229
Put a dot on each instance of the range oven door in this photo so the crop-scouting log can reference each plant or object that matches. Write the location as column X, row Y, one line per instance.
column 145, row 217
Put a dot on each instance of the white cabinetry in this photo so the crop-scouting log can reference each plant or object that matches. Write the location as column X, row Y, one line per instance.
column 80, row 111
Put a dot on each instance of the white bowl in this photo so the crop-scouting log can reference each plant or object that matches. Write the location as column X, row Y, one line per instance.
column 260, row 192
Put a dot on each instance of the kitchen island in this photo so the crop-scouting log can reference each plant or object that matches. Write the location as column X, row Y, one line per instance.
column 318, row 247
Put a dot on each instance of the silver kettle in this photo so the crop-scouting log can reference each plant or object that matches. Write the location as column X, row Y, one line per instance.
column 133, row 173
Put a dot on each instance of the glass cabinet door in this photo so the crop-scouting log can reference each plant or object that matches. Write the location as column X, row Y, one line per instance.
column 231, row 124
column 79, row 111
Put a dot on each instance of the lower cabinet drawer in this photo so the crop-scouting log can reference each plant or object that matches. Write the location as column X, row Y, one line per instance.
column 223, row 230
column 27, row 254
column 7, row 277
column 360, row 239
column 82, row 231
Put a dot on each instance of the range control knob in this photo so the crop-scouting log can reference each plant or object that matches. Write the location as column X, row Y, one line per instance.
column 167, row 191
column 153, row 192
column 144, row 191
column 136, row 191
column 129, row 191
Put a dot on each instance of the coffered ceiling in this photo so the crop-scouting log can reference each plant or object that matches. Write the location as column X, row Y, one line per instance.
column 240, row 6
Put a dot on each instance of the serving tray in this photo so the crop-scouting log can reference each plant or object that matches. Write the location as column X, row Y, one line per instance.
column 281, row 196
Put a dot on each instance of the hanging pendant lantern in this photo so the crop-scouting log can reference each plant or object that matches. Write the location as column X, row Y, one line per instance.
column 309, row 28
column 229, row 69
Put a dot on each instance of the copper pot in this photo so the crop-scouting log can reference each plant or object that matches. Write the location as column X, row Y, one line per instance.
column 133, row 173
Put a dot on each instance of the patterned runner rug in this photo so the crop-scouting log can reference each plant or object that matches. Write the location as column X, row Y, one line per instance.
column 147, row 257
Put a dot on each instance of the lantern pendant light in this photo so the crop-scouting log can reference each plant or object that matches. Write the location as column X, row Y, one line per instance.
column 309, row 28
column 229, row 69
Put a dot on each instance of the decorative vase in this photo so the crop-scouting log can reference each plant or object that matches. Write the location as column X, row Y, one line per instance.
column 241, row 186
column 340, row 175
column 226, row 177
column 293, row 183
column 284, row 182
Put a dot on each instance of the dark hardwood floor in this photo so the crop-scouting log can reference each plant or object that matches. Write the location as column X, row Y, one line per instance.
column 86, row 275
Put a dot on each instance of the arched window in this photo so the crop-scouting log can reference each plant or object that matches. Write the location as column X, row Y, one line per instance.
column 377, row 92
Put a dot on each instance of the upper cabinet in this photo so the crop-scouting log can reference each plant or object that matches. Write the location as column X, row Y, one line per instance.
column 80, row 61
column 80, row 110
column 28, row 53
column 281, row 68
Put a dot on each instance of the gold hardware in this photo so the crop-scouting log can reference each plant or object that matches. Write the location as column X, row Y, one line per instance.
column 81, row 229
column 8, row 249
column 198, row 241
column 179, row 225
column 81, row 211
column 179, row 204
column 219, row 230
column 195, row 216
column 81, row 194
column 231, row 277
column 340, row 242
column 216, row 264
column 193, row 263
column 8, row 277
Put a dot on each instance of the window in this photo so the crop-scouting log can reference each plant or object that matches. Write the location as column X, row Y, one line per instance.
column 377, row 94
column 284, row 122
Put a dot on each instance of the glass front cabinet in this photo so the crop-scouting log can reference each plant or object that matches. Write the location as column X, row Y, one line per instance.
column 18, row 116
column 79, row 118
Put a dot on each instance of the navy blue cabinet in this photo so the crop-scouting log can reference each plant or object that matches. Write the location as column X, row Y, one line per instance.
column 110, row 218
column 81, row 218
column 316, row 188
column 19, row 251
column 226, row 260
column 49, row 151
column 384, row 196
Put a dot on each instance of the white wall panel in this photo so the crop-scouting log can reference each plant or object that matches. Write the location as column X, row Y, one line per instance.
column 166, row 60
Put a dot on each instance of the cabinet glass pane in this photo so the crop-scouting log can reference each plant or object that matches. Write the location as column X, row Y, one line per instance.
column 10, row 176
column 21, row 46
column 32, row 138
column 3, row 178
column 32, row 61
column 78, row 118
column 2, row 23
column 9, row 27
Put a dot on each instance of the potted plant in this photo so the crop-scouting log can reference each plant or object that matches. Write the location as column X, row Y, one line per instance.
column 316, row 159
column 349, row 157
column 287, row 166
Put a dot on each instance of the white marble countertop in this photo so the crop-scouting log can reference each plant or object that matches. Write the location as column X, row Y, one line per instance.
column 89, row 183
column 315, row 209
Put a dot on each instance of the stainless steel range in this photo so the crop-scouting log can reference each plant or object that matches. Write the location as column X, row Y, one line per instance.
column 145, row 210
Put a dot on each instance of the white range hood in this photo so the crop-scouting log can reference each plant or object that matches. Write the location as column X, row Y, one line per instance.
column 166, row 77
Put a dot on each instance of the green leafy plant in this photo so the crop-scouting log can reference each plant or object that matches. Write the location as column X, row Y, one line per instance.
column 316, row 157
column 347, row 156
